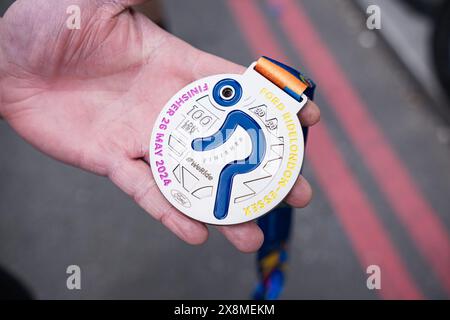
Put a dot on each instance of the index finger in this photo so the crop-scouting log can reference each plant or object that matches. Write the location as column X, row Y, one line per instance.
column 310, row 114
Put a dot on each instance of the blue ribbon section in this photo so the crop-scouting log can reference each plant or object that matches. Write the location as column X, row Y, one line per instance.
column 276, row 225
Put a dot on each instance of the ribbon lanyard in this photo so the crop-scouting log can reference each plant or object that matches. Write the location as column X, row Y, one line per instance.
column 272, row 256
column 286, row 78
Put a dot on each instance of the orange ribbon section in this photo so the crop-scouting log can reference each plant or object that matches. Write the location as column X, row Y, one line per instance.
column 279, row 76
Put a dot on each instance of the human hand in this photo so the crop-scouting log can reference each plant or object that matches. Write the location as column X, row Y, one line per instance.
column 89, row 97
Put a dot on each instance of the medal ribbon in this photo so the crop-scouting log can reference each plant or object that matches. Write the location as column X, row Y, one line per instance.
column 276, row 225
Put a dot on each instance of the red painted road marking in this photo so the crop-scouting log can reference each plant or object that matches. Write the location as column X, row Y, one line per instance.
column 358, row 217
column 392, row 177
column 366, row 233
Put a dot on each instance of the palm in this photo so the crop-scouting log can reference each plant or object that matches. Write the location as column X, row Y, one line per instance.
column 89, row 97
column 108, row 85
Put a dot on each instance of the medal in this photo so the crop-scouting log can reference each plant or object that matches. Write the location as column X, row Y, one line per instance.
column 228, row 148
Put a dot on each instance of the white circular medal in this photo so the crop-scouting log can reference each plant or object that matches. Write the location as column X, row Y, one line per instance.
column 228, row 148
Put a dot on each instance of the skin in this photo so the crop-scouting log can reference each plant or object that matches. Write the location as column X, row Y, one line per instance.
column 89, row 97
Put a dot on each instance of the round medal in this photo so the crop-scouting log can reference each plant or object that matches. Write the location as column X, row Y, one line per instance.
column 228, row 148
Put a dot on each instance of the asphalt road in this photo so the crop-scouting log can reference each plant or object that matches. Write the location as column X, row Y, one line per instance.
column 378, row 163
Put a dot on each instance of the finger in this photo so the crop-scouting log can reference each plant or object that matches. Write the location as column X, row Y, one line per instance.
column 126, row 3
column 246, row 237
column 113, row 8
column 310, row 114
column 129, row 3
column 135, row 178
column 301, row 194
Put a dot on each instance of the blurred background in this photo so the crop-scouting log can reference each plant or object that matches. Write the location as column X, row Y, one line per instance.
column 379, row 164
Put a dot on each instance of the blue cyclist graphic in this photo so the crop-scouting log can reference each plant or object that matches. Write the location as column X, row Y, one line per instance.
column 232, row 121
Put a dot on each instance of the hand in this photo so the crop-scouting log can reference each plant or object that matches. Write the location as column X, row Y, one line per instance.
column 89, row 97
